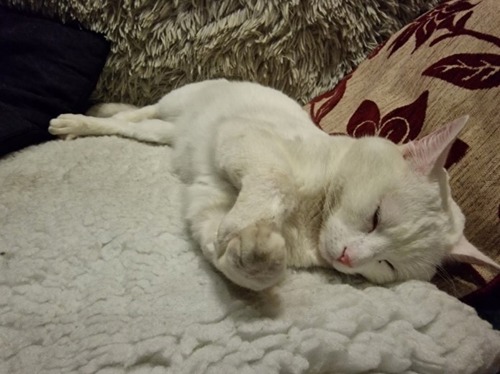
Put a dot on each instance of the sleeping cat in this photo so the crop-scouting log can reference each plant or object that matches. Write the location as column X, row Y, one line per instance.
column 267, row 189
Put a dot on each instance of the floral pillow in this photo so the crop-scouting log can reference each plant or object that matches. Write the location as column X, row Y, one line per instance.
column 440, row 67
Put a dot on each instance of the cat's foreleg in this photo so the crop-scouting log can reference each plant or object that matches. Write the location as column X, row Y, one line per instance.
column 72, row 126
column 252, row 249
column 253, row 254
column 207, row 202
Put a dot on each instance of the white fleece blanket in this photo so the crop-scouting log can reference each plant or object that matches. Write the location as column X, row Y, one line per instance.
column 98, row 275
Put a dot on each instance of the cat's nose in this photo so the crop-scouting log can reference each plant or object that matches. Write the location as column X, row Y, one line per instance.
column 344, row 258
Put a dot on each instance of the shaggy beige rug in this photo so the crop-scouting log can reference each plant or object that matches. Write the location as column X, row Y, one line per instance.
column 300, row 47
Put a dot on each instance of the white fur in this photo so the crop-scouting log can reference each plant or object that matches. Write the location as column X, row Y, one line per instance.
column 267, row 189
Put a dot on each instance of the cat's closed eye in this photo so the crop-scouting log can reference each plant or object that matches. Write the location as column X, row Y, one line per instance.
column 388, row 264
column 375, row 219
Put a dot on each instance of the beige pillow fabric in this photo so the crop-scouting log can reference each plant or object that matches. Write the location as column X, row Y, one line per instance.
column 442, row 66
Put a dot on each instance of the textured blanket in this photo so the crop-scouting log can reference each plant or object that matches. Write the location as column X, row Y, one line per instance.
column 98, row 275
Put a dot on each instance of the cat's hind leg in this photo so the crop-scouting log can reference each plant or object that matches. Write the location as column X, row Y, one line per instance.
column 72, row 126
column 139, row 114
column 105, row 110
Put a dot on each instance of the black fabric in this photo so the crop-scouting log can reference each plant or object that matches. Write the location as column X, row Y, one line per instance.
column 46, row 68
column 486, row 301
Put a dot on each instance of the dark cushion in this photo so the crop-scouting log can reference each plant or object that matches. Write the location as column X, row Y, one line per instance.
column 46, row 68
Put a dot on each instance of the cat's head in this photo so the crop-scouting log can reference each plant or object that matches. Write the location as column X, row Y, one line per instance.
column 389, row 214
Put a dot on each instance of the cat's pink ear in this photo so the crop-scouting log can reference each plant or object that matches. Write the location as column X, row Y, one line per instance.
column 429, row 154
column 464, row 251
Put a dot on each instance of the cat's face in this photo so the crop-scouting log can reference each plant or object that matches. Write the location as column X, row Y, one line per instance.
column 383, row 220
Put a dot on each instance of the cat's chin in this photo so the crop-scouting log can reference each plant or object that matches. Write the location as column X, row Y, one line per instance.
column 343, row 268
column 372, row 275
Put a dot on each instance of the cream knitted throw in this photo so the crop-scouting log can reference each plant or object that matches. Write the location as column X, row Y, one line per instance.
column 98, row 275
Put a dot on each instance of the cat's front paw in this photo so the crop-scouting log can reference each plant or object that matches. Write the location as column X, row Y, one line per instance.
column 70, row 126
column 255, row 257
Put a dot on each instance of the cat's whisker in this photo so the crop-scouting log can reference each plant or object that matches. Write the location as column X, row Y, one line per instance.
column 440, row 271
column 446, row 276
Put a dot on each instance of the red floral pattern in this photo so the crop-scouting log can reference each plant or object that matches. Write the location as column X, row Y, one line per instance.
column 458, row 28
column 468, row 70
column 399, row 125
column 376, row 50
column 323, row 104
column 403, row 124
column 441, row 17
column 472, row 70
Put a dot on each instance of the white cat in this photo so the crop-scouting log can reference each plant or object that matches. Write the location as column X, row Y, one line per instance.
column 267, row 189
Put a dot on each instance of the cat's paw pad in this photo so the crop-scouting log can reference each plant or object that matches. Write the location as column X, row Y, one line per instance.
column 70, row 126
column 255, row 258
